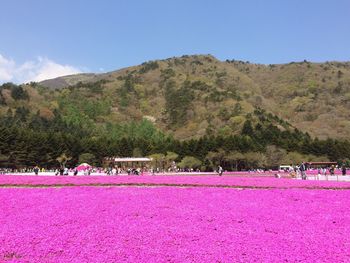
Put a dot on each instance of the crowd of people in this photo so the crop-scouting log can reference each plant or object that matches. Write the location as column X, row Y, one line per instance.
column 65, row 171
column 296, row 171
column 301, row 170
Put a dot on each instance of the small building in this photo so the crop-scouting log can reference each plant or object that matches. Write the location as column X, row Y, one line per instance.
column 320, row 164
column 126, row 162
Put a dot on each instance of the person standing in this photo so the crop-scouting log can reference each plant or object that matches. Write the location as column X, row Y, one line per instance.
column 36, row 170
column 220, row 170
column 303, row 170
column 343, row 169
column 319, row 172
column 297, row 171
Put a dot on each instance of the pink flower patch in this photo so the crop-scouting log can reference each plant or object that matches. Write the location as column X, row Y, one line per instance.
column 158, row 224
column 161, row 180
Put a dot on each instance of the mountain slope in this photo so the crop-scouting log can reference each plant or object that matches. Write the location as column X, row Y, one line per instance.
column 192, row 96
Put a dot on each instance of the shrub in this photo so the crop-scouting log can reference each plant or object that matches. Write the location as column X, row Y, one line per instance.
column 18, row 93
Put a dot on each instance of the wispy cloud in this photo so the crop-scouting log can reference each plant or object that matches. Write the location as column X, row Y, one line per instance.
column 7, row 67
column 33, row 70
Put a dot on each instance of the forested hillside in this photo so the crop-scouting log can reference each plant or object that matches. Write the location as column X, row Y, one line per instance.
column 192, row 106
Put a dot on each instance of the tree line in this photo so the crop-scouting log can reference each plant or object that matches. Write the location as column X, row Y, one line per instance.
column 27, row 140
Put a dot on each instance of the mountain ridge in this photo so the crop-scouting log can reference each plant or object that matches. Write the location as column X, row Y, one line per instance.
column 197, row 95
column 48, row 82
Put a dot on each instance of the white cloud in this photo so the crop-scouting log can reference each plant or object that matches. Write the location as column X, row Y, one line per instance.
column 7, row 66
column 33, row 70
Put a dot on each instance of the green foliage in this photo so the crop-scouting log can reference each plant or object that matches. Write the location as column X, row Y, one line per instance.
column 340, row 74
column 41, row 142
column 8, row 85
column 81, row 111
column 137, row 152
column 171, row 157
column 237, row 109
column 224, row 114
column 158, row 160
column 21, row 114
column 275, row 156
column 178, row 101
column 167, row 73
column 235, row 159
column 2, row 99
column 190, row 162
column 216, row 158
column 125, row 91
column 248, row 128
column 199, row 85
column 88, row 158
column 217, row 96
column 18, row 93
column 255, row 159
column 206, row 104
column 148, row 66
column 93, row 87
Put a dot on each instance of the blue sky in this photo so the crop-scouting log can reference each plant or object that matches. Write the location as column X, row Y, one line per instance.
column 46, row 38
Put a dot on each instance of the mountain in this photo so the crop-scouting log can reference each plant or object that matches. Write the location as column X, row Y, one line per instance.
column 65, row 81
column 193, row 96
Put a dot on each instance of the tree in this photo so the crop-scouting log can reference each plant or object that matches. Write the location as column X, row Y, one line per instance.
column 21, row 114
column 158, row 160
column 340, row 74
column 190, row 162
column 87, row 158
column 255, row 159
column 293, row 158
column 18, row 93
column 4, row 160
column 321, row 158
column 237, row 109
column 137, row 152
column 170, row 158
column 63, row 159
column 216, row 157
column 274, row 155
column 235, row 158
column 178, row 101
column 248, row 128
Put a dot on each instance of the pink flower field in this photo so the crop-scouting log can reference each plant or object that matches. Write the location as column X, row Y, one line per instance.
column 161, row 180
column 173, row 224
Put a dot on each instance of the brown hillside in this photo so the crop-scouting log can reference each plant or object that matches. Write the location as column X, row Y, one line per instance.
column 191, row 96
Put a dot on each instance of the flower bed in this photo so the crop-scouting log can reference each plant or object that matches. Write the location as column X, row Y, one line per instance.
column 159, row 180
column 133, row 224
